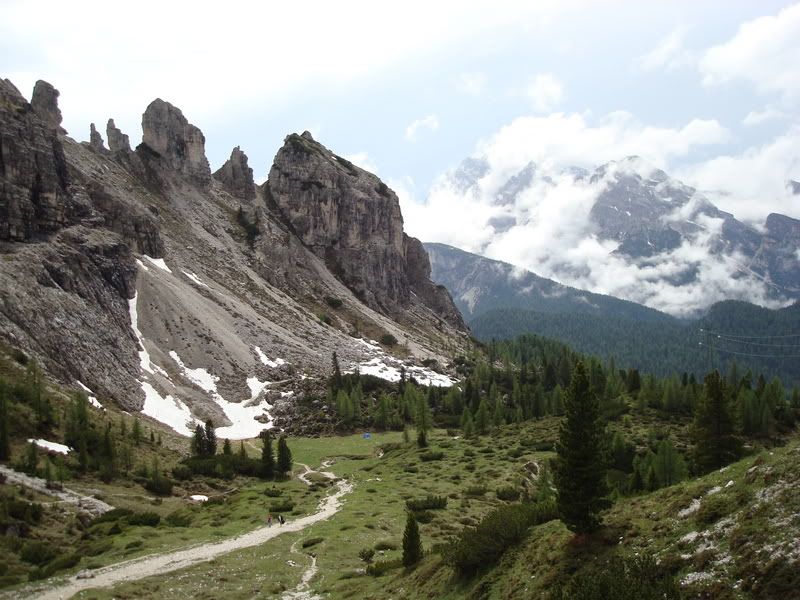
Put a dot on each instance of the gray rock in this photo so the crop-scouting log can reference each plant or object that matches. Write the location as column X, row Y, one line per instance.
column 44, row 103
column 117, row 141
column 236, row 176
column 95, row 139
column 179, row 145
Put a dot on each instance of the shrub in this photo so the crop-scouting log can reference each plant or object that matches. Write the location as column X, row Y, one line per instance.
column 283, row 505
column 159, row 485
column 273, row 492
column 622, row 579
column 98, row 547
column 424, row 516
column 134, row 544
column 65, row 561
column 475, row 491
column 179, row 518
column 311, row 542
column 382, row 567
column 367, row 554
column 182, row 473
column 713, row 508
column 386, row 545
column 112, row 515
column 431, row 456
column 499, row 530
column 427, row 503
column 508, row 493
column 387, row 339
column 38, row 553
column 333, row 302
column 146, row 519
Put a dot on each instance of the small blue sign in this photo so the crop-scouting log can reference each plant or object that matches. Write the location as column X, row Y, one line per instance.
column 367, row 436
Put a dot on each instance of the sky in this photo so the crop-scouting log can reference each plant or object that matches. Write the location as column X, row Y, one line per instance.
column 708, row 91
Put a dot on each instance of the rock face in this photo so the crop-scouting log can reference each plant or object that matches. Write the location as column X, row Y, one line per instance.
column 352, row 220
column 44, row 103
column 236, row 176
column 33, row 171
column 117, row 141
column 95, row 139
column 179, row 144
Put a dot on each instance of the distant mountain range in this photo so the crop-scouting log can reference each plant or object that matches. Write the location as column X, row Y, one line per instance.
column 500, row 301
column 663, row 234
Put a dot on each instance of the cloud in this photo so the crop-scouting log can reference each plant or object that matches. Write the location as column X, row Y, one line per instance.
column 769, row 113
column 362, row 159
column 546, row 92
column 431, row 123
column 548, row 227
column 764, row 52
column 669, row 54
column 752, row 184
column 472, row 84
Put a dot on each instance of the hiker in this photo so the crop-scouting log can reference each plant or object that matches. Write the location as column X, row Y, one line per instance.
column 269, row 520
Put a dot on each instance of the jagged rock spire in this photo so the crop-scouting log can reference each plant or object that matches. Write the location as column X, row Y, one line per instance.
column 236, row 176
column 180, row 144
column 44, row 103
column 116, row 139
column 95, row 139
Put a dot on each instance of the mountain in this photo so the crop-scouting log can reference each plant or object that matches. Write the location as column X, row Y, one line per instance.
column 666, row 245
column 479, row 285
column 185, row 294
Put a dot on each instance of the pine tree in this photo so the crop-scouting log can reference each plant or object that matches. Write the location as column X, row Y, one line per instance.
column 356, row 399
column 669, row 466
column 198, row 440
column 579, row 466
column 482, row 418
column 267, row 458
column 713, row 433
column 422, row 420
column 242, row 451
column 31, row 459
column 382, row 413
column 412, row 545
column 211, row 438
column 284, row 456
column 226, row 447
column 336, row 377
column 136, row 433
column 467, row 425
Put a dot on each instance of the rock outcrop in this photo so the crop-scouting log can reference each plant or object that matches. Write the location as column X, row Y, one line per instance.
column 351, row 219
column 179, row 145
column 236, row 176
column 117, row 141
column 34, row 197
column 95, row 139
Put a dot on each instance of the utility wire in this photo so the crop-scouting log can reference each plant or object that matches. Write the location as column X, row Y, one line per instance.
column 717, row 348
column 750, row 337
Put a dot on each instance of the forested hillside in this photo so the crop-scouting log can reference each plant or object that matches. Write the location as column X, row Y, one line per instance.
column 753, row 337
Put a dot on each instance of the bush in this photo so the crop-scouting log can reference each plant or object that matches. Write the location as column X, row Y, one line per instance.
column 280, row 506
column 182, row 473
column 311, row 542
column 38, row 553
column 146, row 519
column 385, row 545
column 367, row 554
column 475, row 491
column 382, row 567
column 485, row 544
column 273, row 492
column 112, row 515
column 66, row 561
column 333, row 302
column 424, row 516
column 622, row 579
column 431, row 456
column 160, row 486
column 508, row 493
column 179, row 518
column 30, row 512
column 387, row 339
column 98, row 547
column 713, row 508
column 427, row 503
column 134, row 544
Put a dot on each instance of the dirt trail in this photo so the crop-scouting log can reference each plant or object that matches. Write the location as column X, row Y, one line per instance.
column 303, row 589
column 87, row 504
column 159, row 564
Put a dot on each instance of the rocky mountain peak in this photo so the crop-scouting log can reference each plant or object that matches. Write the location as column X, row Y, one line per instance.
column 116, row 139
column 44, row 103
column 95, row 139
column 180, row 145
column 236, row 176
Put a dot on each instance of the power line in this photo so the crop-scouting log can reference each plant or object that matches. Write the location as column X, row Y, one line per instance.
column 750, row 337
column 734, row 341
column 751, row 354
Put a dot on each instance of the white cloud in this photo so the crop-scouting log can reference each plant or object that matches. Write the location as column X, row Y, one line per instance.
column 769, row 113
column 752, row 184
column 546, row 92
column 362, row 159
column 472, row 84
column 431, row 123
column 669, row 54
column 764, row 52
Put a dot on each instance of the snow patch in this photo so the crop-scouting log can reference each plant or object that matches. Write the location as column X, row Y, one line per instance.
column 243, row 417
column 144, row 355
column 198, row 498
column 195, row 279
column 256, row 387
column 89, row 394
column 266, row 360
column 50, row 446
column 158, row 262
column 716, row 489
column 691, row 509
column 142, row 265
column 169, row 410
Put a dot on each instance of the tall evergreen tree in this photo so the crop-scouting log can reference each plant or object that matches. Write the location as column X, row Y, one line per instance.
column 336, row 376
column 31, row 459
column 422, row 420
column 284, row 456
column 715, row 442
column 482, row 418
column 382, row 413
column 467, row 425
column 226, row 447
column 136, row 432
column 267, row 458
column 198, row 440
column 211, row 438
column 669, row 466
column 579, row 466
column 412, row 544
column 5, row 437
